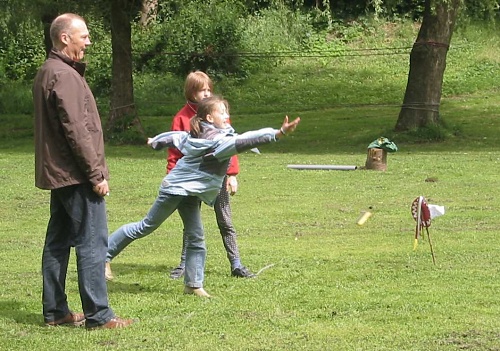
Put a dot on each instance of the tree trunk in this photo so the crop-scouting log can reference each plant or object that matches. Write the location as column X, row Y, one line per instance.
column 47, row 19
column 123, row 113
column 427, row 65
column 149, row 9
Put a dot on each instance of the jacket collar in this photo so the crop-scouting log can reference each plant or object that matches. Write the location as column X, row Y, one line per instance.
column 193, row 106
column 208, row 126
column 77, row 66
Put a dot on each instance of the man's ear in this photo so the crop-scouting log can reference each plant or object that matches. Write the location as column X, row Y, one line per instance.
column 65, row 38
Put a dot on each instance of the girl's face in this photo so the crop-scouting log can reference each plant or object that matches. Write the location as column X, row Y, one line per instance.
column 219, row 117
column 203, row 93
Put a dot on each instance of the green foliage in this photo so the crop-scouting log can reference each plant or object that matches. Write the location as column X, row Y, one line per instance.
column 320, row 19
column 21, row 48
column 413, row 9
column 99, row 57
column 354, row 30
column 481, row 9
column 202, row 35
column 220, row 38
column 272, row 35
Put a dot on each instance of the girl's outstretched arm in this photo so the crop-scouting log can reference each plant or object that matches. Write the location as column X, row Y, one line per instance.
column 167, row 139
column 232, row 145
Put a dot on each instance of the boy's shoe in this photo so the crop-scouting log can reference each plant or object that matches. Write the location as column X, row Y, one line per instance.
column 177, row 272
column 107, row 272
column 200, row 292
column 242, row 272
column 71, row 319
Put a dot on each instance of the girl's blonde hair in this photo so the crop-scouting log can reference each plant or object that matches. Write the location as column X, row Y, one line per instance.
column 205, row 107
column 195, row 81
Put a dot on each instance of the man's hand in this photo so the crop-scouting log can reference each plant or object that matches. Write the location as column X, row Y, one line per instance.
column 102, row 189
column 232, row 185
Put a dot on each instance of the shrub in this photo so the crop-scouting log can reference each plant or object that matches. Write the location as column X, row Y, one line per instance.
column 21, row 49
column 203, row 36
column 220, row 38
column 273, row 34
column 99, row 58
column 481, row 9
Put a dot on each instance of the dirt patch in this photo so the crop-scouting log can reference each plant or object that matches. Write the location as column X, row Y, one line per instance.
column 474, row 340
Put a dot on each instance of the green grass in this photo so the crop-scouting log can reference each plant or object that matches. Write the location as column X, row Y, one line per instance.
column 331, row 284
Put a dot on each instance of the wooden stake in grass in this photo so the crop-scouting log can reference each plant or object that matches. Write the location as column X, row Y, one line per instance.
column 430, row 244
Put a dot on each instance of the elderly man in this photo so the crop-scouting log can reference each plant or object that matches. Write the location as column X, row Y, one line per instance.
column 70, row 162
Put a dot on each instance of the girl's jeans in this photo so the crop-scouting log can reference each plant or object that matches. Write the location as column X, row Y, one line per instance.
column 164, row 205
column 223, row 216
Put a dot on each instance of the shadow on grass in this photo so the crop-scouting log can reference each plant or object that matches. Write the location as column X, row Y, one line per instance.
column 14, row 311
column 124, row 273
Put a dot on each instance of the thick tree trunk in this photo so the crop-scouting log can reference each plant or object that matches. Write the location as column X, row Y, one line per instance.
column 123, row 113
column 427, row 65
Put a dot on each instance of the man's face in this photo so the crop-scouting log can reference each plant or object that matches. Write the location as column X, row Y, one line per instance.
column 76, row 40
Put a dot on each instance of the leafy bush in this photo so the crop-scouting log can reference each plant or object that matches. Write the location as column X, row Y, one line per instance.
column 220, row 38
column 203, row 36
column 481, row 9
column 273, row 34
column 98, row 58
column 21, row 48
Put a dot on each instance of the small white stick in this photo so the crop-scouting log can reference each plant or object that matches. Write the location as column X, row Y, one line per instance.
column 264, row 268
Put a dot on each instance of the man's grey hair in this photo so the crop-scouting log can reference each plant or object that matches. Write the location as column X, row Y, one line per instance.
column 62, row 24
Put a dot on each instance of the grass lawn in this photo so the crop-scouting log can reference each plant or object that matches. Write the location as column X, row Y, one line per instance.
column 328, row 284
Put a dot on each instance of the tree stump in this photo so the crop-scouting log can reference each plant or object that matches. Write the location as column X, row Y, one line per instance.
column 376, row 159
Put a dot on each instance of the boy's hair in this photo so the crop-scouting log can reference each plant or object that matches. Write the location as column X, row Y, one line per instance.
column 195, row 81
column 205, row 107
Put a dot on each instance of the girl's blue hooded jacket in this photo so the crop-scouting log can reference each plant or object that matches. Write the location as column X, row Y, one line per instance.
column 201, row 171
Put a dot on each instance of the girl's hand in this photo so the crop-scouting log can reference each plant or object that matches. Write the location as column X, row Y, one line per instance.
column 288, row 127
column 232, row 185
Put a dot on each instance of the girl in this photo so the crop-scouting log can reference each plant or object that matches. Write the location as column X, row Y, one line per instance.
column 198, row 176
column 199, row 86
